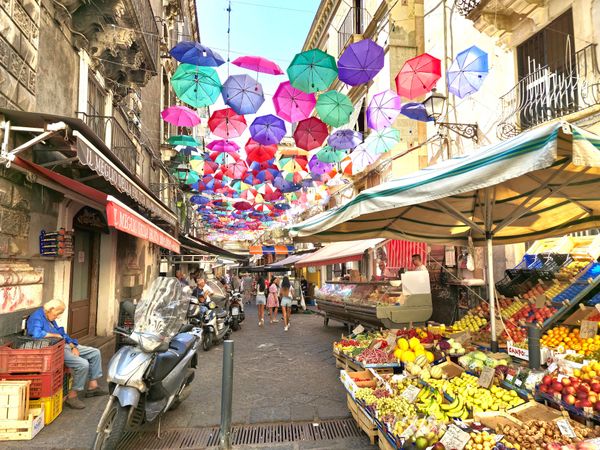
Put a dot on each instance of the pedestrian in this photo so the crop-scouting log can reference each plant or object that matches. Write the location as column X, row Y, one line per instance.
column 181, row 277
column 287, row 292
column 236, row 283
column 273, row 300
column 261, row 300
column 247, row 284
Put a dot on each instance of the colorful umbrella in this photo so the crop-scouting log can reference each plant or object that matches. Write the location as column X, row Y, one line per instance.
column 194, row 53
column 360, row 62
column 292, row 163
column 344, row 139
column 203, row 166
column 236, row 170
column 286, row 186
column 310, row 133
column 258, row 152
column 312, row 71
column 186, row 150
column 418, row 75
column 226, row 123
column 251, row 179
column 330, row 155
column 195, row 85
column 252, row 195
column 183, row 140
column 267, row 174
column 361, row 158
column 383, row 110
column 180, row 116
column 221, row 145
column 467, row 72
column 318, row 167
column 263, row 208
column 282, row 206
column 415, row 111
column 224, row 157
column 243, row 93
column 267, row 129
column 242, row 205
column 382, row 141
column 269, row 192
column 258, row 64
column 334, row 108
column 292, row 104
column 199, row 200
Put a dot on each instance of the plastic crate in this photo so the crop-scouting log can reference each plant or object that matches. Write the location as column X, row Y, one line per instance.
column 42, row 384
column 52, row 406
column 67, row 381
column 48, row 359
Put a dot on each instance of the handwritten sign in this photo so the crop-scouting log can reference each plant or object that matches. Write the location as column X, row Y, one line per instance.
column 410, row 393
column 455, row 438
column 486, row 377
column 552, row 367
column 588, row 329
column 540, row 301
column 359, row 329
column 565, row 428
column 463, row 337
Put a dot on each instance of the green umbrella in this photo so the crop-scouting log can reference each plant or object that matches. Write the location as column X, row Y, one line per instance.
column 184, row 175
column 330, row 155
column 334, row 108
column 382, row 141
column 197, row 86
column 312, row 71
column 183, row 140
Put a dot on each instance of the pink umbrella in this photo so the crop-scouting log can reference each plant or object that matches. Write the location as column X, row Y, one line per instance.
column 259, row 64
column 418, row 75
column 226, row 123
column 263, row 208
column 180, row 116
column 292, row 104
column 236, row 170
column 222, row 145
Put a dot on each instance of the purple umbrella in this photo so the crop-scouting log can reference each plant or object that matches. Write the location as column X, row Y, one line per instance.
column 344, row 139
column 286, row 186
column 415, row 111
column 199, row 200
column 383, row 110
column 267, row 129
column 243, row 93
column 318, row 167
column 360, row 62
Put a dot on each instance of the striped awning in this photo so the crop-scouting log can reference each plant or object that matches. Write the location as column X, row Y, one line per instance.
column 544, row 182
column 271, row 249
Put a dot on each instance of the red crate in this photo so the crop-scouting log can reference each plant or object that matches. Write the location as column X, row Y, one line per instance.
column 42, row 384
column 25, row 360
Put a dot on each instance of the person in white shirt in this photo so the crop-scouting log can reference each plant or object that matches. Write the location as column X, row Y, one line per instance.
column 418, row 262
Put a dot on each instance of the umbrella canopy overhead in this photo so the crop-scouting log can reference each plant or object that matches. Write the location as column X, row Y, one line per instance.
column 226, row 123
column 382, row 141
column 236, row 170
column 415, row 111
column 195, row 85
column 361, row 158
column 292, row 104
column 318, row 167
column 191, row 52
column 180, row 116
column 334, row 108
column 267, row 129
column 360, row 62
column 418, row 76
column 243, row 93
column 258, row 152
column 183, row 140
column 544, row 182
column 467, row 72
column 310, row 133
column 222, row 145
column 383, row 110
column 344, row 139
column 330, row 155
column 312, row 71
column 258, row 64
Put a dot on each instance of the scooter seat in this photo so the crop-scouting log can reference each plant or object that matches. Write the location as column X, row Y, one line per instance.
column 182, row 343
column 165, row 362
column 221, row 314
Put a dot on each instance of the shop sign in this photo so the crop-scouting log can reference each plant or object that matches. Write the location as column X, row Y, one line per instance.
column 455, row 438
column 588, row 329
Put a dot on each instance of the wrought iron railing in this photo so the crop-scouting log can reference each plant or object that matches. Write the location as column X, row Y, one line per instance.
column 355, row 22
column 148, row 34
column 546, row 94
column 465, row 7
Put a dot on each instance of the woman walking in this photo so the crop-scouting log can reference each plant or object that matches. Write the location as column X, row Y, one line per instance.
column 287, row 292
column 273, row 299
column 261, row 300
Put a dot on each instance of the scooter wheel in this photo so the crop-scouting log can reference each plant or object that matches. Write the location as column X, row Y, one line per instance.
column 206, row 342
column 235, row 326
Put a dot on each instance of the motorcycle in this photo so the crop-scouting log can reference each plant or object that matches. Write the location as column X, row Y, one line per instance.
column 154, row 373
column 236, row 309
column 215, row 321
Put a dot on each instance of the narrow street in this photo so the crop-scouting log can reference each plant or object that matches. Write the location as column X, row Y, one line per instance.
column 279, row 377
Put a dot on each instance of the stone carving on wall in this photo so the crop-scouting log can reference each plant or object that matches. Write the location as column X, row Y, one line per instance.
column 20, row 286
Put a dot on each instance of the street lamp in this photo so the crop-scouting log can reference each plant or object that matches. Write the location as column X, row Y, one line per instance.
column 434, row 106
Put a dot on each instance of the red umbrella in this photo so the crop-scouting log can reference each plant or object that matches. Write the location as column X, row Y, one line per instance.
column 269, row 192
column 236, row 170
column 226, row 123
column 418, row 75
column 258, row 152
column 263, row 208
column 259, row 64
column 242, row 205
column 310, row 133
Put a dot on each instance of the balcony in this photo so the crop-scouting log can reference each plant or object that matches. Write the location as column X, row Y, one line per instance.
column 355, row 23
column 546, row 95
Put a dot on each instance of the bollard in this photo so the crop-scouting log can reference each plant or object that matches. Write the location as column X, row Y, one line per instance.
column 533, row 341
column 226, row 395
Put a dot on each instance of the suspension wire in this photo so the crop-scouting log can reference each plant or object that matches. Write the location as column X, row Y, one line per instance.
column 228, row 37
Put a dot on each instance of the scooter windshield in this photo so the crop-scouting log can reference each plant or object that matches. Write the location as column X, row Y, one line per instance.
column 160, row 314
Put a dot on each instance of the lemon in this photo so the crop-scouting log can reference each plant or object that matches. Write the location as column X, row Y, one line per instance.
column 408, row 356
column 402, row 344
column 413, row 342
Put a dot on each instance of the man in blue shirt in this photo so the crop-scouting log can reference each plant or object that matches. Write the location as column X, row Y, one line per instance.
column 86, row 362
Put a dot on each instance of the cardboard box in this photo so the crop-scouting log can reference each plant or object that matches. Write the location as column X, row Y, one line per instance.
column 349, row 380
column 523, row 353
column 533, row 410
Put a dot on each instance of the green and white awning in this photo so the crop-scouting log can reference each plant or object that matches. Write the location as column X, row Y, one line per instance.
column 544, row 182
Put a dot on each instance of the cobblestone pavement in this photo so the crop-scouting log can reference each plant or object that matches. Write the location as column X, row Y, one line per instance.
column 278, row 377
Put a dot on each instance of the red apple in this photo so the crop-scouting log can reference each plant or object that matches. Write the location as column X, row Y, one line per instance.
column 565, row 381
column 557, row 387
column 595, row 387
column 593, row 398
column 597, row 406
column 569, row 390
column 582, row 395
column 585, row 403
column 547, row 380
column 569, row 399
column 577, row 404
column 544, row 388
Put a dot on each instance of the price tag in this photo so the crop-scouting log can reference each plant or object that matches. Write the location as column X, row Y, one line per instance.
column 455, row 438
column 552, row 367
column 518, row 382
column 511, row 375
column 486, row 377
column 557, row 398
column 597, row 305
column 588, row 411
column 565, row 428
column 588, row 329
column 499, row 437
column 410, row 393
column 391, row 340
column 540, row 301
column 359, row 329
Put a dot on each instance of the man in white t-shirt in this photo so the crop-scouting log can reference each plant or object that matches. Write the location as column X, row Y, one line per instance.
column 418, row 262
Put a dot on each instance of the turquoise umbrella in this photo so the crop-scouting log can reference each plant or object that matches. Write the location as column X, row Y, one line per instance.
column 330, row 155
column 312, row 71
column 196, row 85
column 183, row 140
column 382, row 141
column 334, row 108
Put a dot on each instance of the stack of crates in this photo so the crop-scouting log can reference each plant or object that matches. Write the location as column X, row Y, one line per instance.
column 43, row 368
column 18, row 421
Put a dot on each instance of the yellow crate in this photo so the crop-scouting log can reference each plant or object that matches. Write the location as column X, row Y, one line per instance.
column 14, row 399
column 22, row 430
column 52, row 406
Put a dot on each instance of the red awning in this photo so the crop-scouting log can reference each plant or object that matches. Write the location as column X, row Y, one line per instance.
column 119, row 215
column 337, row 253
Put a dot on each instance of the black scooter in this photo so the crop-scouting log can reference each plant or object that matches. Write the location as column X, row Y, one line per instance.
column 215, row 322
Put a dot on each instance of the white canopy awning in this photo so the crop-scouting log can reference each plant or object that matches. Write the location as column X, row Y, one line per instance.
column 338, row 252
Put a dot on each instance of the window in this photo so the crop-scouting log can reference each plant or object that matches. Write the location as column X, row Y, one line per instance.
column 96, row 106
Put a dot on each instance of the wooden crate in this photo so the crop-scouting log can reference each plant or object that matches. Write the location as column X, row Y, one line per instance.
column 352, row 406
column 14, row 399
column 384, row 444
column 533, row 410
column 366, row 424
column 22, row 430
column 340, row 360
column 450, row 368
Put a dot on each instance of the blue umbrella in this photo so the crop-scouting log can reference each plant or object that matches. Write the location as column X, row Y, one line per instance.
column 194, row 53
column 199, row 200
column 243, row 94
column 286, row 186
column 467, row 72
column 415, row 111
column 267, row 130
column 282, row 206
column 345, row 139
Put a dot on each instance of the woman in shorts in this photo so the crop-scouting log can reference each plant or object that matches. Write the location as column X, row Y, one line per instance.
column 273, row 299
column 287, row 293
column 261, row 300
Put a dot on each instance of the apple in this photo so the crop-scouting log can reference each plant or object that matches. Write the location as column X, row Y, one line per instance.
column 581, row 395
column 595, row 387
column 577, row 404
column 565, row 381
column 593, row 398
column 556, row 386
column 569, row 399
column 597, row 406
column 585, row 403
column 544, row 388
column 547, row 380
column 569, row 390
column 438, row 446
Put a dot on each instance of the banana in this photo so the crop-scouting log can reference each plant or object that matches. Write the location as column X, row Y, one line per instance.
column 465, row 415
column 456, row 413
column 449, row 406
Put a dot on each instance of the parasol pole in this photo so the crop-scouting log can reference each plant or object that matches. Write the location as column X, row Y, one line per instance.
column 491, row 290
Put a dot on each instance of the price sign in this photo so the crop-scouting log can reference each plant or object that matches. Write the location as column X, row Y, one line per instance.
column 565, row 428
column 552, row 367
column 359, row 329
column 391, row 340
column 588, row 411
column 410, row 393
column 486, row 377
column 597, row 305
column 511, row 375
column 540, row 301
column 588, row 329
column 455, row 438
